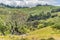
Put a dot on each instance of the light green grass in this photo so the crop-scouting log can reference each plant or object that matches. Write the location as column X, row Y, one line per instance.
column 43, row 33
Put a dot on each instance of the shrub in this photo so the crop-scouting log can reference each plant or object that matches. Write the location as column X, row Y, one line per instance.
column 43, row 39
column 51, row 38
column 57, row 26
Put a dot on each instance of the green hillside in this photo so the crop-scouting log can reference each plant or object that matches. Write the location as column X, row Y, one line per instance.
column 44, row 33
column 41, row 22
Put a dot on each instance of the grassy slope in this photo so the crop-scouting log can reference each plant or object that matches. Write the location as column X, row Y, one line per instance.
column 43, row 33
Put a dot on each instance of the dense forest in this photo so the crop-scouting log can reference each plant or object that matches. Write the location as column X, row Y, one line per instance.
column 19, row 21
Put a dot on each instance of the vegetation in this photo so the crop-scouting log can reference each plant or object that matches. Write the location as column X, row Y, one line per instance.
column 36, row 23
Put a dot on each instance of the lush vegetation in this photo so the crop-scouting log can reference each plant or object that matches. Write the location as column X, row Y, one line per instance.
column 30, row 21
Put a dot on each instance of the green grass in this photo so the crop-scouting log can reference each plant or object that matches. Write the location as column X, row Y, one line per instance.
column 43, row 33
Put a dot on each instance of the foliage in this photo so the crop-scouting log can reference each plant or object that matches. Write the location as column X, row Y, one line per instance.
column 50, row 39
column 3, row 26
column 17, row 21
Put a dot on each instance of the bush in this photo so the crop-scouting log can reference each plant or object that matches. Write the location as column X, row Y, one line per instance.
column 43, row 39
column 41, row 26
column 55, row 10
column 57, row 26
column 50, row 39
column 3, row 27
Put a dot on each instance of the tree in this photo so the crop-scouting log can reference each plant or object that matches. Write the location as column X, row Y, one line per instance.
column 48, row 14
column 3, row 26
column 17, row 21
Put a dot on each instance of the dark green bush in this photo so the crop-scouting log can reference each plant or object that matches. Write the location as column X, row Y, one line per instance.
column 43, row 39
column 51, row 38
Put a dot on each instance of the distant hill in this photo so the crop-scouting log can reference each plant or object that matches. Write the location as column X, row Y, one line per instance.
column 4, row 5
